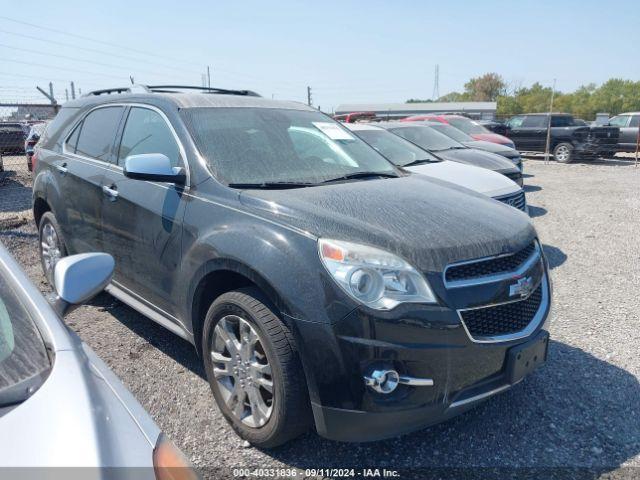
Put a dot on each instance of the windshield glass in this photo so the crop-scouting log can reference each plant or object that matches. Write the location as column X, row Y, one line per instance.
column 467, row 126
column 263, row 145
column 394, row 148
column 427, row 138
column 452, row 132
column 23, row 357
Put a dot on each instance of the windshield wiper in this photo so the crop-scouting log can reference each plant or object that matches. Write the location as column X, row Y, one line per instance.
column 351, row 176
column 272, row 185
column 420, row 162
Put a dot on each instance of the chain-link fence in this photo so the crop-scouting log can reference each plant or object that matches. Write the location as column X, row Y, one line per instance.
column 21, row 125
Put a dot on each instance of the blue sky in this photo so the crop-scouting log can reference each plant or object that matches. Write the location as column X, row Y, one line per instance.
column 347, row 51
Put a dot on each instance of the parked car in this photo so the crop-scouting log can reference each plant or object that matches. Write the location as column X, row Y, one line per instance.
column 447, row 148
column 495, row 126
column 60, row 405
column 11, row 138
column 35, row 132
column 628, row 123
column 355, row 117
column 300, row 269
column 470, row 127
column 459, row 136
column 568, row 140
column 409, row 156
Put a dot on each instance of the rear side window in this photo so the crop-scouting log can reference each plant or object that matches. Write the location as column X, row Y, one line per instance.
column 561, row 121
column 97, row 133
column 635, row 121
column 147, row 132
column 535, row 121
column 72, row 141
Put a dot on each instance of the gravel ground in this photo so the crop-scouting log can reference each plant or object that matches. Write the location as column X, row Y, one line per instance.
column 581, row 411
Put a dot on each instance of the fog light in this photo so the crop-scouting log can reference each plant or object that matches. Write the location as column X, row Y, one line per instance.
column 383, row 381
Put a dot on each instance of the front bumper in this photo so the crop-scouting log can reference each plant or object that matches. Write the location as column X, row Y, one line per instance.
column 595, row 150
column 361, row 426
column 418, row 341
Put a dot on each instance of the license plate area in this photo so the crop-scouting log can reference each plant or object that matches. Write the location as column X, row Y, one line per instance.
column 524, row 359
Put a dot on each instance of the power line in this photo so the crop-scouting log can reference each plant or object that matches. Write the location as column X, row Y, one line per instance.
column 73, row 59
column 93, row 50
column 82, row 37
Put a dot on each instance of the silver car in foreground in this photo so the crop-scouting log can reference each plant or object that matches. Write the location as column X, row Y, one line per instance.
column 60, row 405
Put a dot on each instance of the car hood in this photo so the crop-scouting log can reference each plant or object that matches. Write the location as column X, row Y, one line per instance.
column 479, row 158
column 81, row 416
column 477, row 179
column 429, row 222
column 492, row 137
column 496, row 148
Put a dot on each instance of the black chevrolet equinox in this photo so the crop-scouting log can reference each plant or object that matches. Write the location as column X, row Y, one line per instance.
column 319, row 283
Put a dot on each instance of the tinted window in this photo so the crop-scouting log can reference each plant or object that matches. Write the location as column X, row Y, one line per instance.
column 265, row 145
column 536, row 121
column 635, row 121
column 561, row 121
column 147, row 132
column 73, row 139
column 395, row 148
column 427, row 138
column 619, row 121
column 515, row 122
column 22, row 352
column 453, row 132
column 98, row 133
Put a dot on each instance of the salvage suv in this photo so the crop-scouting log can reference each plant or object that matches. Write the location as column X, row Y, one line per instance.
column 318, row 282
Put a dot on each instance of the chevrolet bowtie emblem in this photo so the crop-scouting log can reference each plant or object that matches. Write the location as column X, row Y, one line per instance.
column 522, row 288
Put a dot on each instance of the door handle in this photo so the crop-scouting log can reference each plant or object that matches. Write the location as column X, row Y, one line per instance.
column 110, row 192
column 62, row 169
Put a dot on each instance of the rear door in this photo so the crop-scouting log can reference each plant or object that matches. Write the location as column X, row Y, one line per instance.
column 87, row 155
column 142, row 220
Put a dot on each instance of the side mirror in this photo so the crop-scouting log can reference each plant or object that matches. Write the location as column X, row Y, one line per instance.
column 79, row 278
column 155, row 167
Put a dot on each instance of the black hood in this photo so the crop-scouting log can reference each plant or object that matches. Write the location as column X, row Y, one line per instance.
column 478, row 158
column 429, row 222
column 501, row 150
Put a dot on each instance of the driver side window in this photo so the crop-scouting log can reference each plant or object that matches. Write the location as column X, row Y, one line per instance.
column 515, row 122
column 619, row 121
column 146, row 131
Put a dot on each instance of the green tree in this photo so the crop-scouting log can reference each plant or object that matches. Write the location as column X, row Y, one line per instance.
column 486, row 88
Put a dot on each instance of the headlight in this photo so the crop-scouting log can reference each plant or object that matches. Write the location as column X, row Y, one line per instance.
column 374, row 277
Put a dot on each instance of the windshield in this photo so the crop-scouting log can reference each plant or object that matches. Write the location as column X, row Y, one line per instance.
column 466, row 125
column 23, row 358
column 394, row 148
column 452, row 132
column 246, row 146
column 427, row 138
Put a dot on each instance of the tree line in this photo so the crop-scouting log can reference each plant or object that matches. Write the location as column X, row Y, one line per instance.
column 614, row 96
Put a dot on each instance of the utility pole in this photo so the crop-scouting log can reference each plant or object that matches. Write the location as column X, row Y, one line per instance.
column 66, row 94
column 436, row 84
column 309, row 97
column 208, row 77
column 73, row 91
column 48, row 95
column 546, row 150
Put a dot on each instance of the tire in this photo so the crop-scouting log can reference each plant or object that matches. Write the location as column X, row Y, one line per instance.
column 288, row 409
column 563, row 152
column 52, row 247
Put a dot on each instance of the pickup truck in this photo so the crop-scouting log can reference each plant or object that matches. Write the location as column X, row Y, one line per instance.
column 569, row 138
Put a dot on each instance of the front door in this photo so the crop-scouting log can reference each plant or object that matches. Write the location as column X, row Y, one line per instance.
column 142, row 220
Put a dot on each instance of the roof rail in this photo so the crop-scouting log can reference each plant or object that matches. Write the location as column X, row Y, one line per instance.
column 169, row 89
column 177, row 88
column 129, row 89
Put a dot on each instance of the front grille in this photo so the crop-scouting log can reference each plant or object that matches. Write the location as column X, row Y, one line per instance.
column 490, row 266
column 505, row 319
column 516, row 200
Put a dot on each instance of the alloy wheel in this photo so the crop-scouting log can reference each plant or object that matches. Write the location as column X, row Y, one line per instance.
column 242, row 371
column 50, row 249
column 562, row 154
